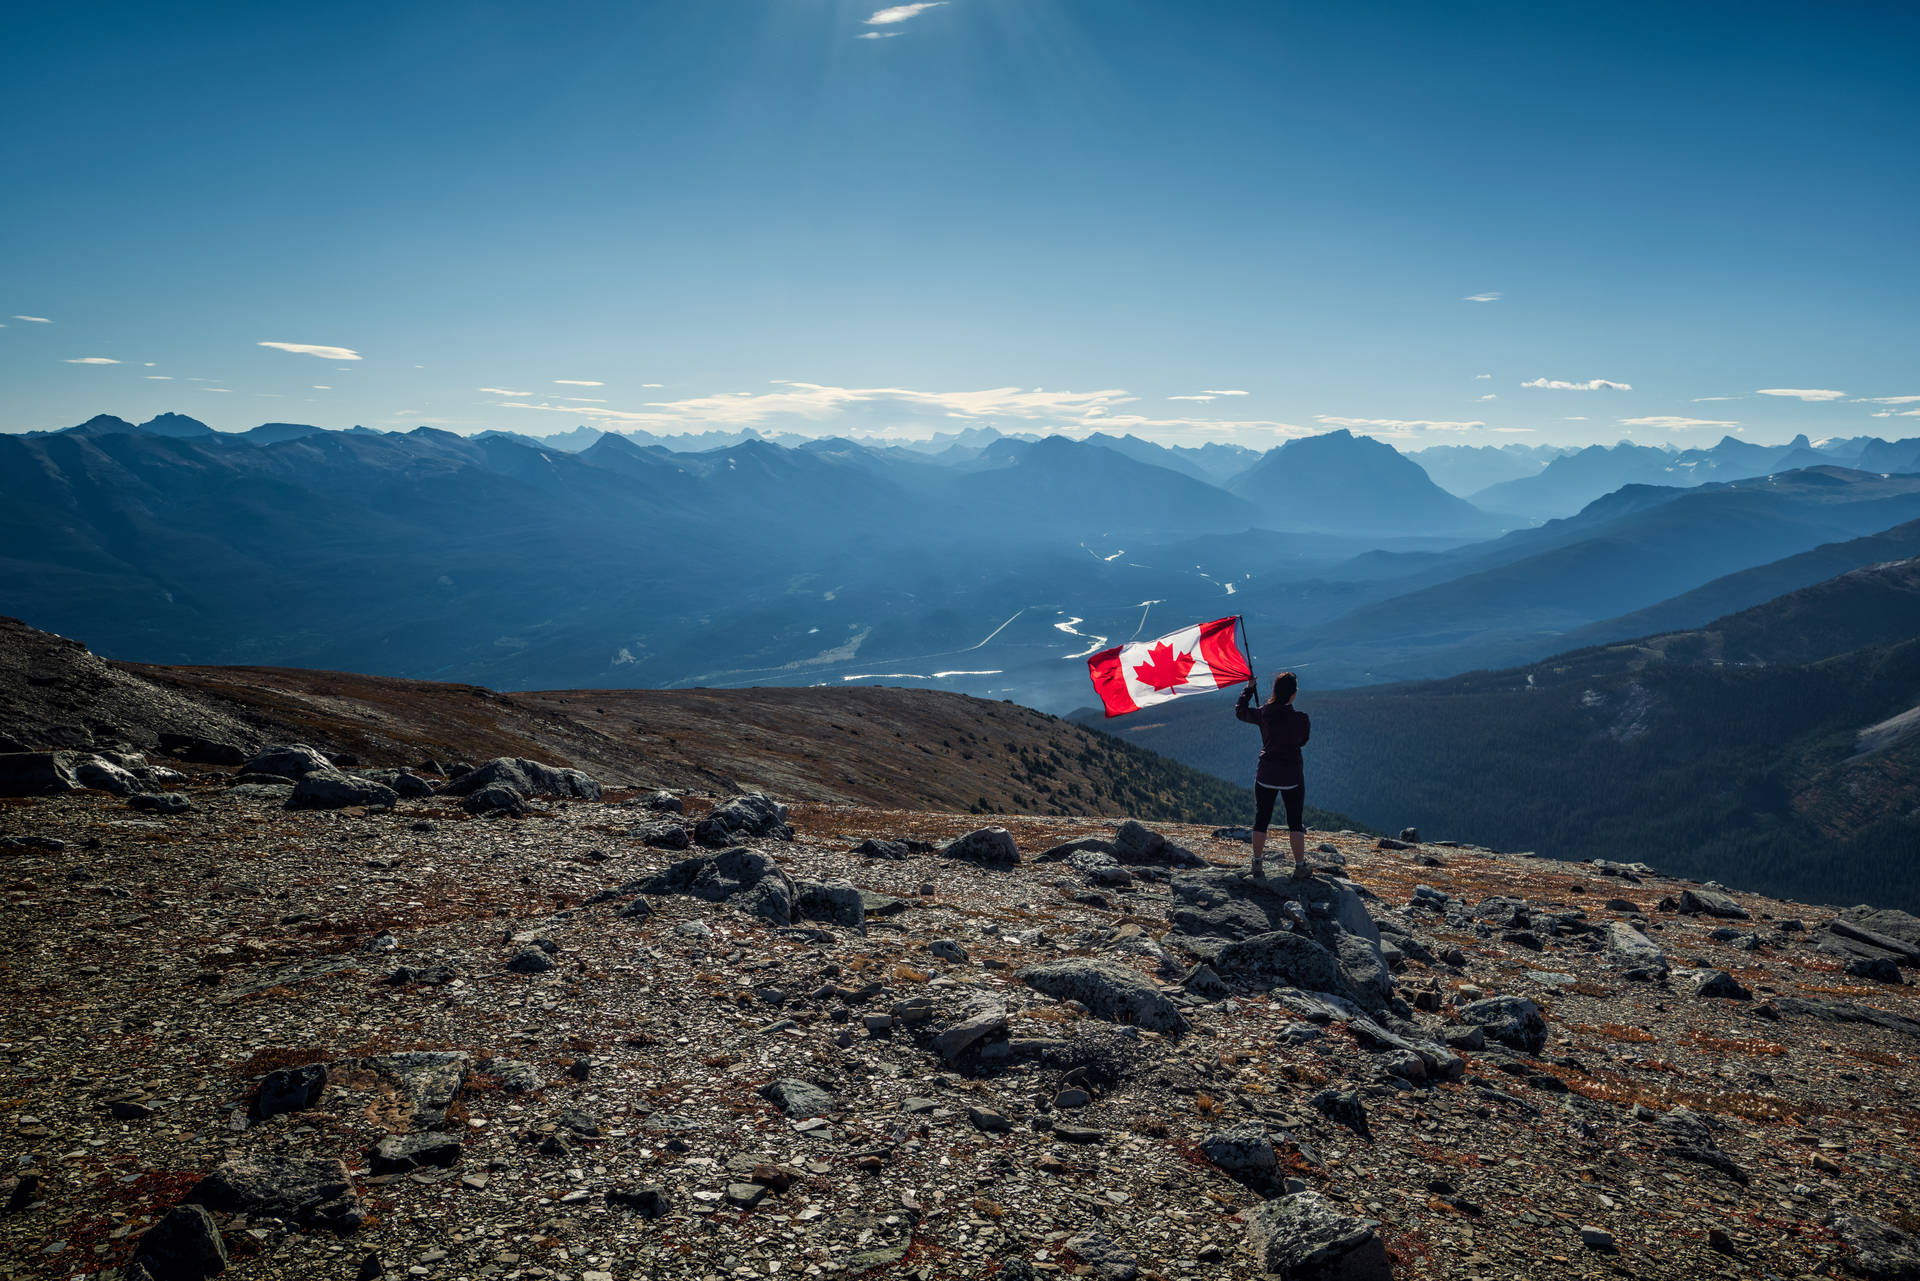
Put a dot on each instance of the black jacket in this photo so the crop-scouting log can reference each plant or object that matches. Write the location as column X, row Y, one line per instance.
column 1283, row 732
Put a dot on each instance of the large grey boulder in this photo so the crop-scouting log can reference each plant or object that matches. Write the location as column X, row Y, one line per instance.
column 1513, row 1021
column 37, row 773
column 289, row 760
column 748, row 816
column 1109, row 991
column 990, row 846
column 329, row 789
column 1628, row 945
column 290, row 1090
column 183, row 1246
column 834, row 902
column 1281, row 957
column 1302, row 1237
column 426, row 1080
column 1244, row 1153
column 1222, row 903
column 1435, row 1061
column 1135, row 843
column 529, row 778
column 749, row 881
column 1712, row 983
column 986, row 1021
column 405, row 783
column 496, row 800
column 102, row 775
column 314, row 1193
column 798, row 1099
column 201, row 751
column 1711, row 903
column 1882, row 1252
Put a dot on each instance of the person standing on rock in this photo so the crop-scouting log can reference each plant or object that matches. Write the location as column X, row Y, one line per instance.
column 1279, row 774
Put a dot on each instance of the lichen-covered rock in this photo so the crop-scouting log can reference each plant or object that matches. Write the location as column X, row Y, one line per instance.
column 1629, row 946
column 315, row 1193
column 1882, row 1252
column 748, row 816
column 37, row 773
column 1280, row 956
column 528, row 778
column 797, row 1099
column 289, row 760
column 329, row 789
column 989, row 846
column 1243, row 1152
column 1711, row 903
column 834, row 902
column 747, row 880
column 1109, row 991
column 1136, row 843
column 1513, row 1021
column 1301, row 1237
column 290, row 1090
column 184, row 1245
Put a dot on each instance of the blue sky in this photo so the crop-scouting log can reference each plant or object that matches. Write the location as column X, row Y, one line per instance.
column 1041, row 214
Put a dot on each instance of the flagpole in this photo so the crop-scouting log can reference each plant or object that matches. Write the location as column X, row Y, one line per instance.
column 1247, row 640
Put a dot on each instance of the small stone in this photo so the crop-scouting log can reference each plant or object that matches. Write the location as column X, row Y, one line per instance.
column 746, row 1195
column 1596, row 1238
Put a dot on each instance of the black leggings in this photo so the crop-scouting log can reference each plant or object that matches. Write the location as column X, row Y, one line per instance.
column 1263, row 795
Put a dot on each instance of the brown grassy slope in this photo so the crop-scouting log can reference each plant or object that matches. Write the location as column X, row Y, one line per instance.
column 914, row 749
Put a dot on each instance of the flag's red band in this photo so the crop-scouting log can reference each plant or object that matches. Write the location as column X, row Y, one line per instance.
column 1222, row 656
column 1108, row 682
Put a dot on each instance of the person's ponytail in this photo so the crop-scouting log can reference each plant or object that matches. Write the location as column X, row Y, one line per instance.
column 1285, row 686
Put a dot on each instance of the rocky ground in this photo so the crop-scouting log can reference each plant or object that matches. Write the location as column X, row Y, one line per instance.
column 400, row 1038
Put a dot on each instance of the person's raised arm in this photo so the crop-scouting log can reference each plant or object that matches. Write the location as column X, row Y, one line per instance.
column 1242, row 709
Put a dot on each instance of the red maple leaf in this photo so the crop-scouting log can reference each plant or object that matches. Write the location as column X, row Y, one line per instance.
column 1164, row 669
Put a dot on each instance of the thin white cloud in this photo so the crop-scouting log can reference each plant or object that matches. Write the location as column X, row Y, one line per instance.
column 1217, row 391
column 149, row 363
column 92, row 360
column 585, row 400
column 314, row 349
column 34, row 320
column 158, row 378
column 1490, row 296
column 577, row 382
column 322, row 387
column 1514, row 431
column 1701, row 400
column 1199, row 398
column 1897, row 413
column 1480, row 377
column 1592, row 384
column 898, row 412
column 1397, row 425
column 653, row 384
column 1490, row 396
column 878, row 35
column 1575, row 418
column 1802, row 393
column 1887, row 400
column 1669, row 423
column 898, row 13
column 223, row 390
column 502, row 391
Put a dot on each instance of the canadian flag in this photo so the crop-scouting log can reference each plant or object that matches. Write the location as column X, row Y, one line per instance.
column 1193, row 660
